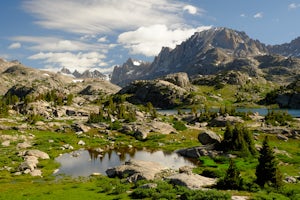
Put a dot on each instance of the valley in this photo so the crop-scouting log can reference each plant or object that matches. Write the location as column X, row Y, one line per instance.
column 206, row 82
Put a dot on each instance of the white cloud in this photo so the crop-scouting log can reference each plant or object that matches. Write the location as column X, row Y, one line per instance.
column 15, row 45
column 80, row 61
column 103, row 16
column 258, row 15
column 102, row 39
column 293, row 6
column 190, row 9
column 149, row 40
column 58, row 44
column 243, row 15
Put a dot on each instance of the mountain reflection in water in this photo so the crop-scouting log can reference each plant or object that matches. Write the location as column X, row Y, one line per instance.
column 87, row 162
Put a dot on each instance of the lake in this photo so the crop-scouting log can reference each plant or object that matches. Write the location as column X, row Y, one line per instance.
column 87, row 162
column 261, row 111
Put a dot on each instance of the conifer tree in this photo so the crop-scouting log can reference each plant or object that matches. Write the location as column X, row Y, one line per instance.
column 232, row 178
column 267, row 171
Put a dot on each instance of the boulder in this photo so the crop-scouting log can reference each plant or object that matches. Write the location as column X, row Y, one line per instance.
column 37, row 153
column 36, row 172
column 78, row 127
column 196, row 152
column 222, row 121
column 282, row 137
column 191, row 181
column 6, row 143
column 136, row 170
column 209, row 137
column 180, row 79
column 162, row 127
column 29, row 163
column 141, row 133
column 23, row 145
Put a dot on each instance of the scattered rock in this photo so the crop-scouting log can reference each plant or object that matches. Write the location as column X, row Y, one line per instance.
column 24, row 145
column 141, row 133
column 78, row 127
column 36, row 172
column 209, row 137
column 5, row 143
column 81, row 143
column 67, row 146
column 149, row 186
column 282, row 137
column 290, row 179
column 239, row 197
column 186, row 169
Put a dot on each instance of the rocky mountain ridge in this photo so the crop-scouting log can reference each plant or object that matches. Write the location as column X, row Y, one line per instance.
column 83, row 75
column 214, row 51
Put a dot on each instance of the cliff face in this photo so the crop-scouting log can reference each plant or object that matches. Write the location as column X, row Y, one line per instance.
column 205, row 52
column 129, row 71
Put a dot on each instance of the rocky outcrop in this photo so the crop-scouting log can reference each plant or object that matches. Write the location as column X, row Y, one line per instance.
column 191, row 181
column 161, row 94
column 221, row 121
column 196, row 152
column 136, row 170
column 180, row 79
column 209, row 137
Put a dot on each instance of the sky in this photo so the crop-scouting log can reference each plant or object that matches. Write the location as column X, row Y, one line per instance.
column 99, row 34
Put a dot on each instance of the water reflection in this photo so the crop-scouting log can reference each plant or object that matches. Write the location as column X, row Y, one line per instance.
column 85, row 162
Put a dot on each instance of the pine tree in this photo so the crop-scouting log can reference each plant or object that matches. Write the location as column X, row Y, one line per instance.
column 267, row 171
column 232, row 178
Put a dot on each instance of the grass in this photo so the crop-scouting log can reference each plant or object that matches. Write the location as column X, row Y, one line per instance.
column 101, row 188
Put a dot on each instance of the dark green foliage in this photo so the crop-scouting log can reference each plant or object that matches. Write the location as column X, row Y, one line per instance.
column 238, row 138
column 267, row 171
column 116, row 125
column 167, row 191
column 232, row 179
column 33, row 118
column 3, row 108
column 203, row 195
column 10, row 99
column 212, row 173
column 69, row 99
column 179, row 125
column 151, row 110
column 278, row 118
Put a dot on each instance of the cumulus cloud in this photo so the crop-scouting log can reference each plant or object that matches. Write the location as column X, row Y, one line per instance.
column 242, row 15
column 293, row 6
column 103, row 16
column 258, row 15
column 80, row 61
column 149, row 40
column 190, row 9
column 15, row 45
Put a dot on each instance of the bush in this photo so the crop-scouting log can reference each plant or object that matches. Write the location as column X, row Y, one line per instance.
column 212, row 173
column 179, row 125
column 278, row 118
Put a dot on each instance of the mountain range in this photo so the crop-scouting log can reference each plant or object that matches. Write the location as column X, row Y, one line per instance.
column 213, row 51
column 83, row 75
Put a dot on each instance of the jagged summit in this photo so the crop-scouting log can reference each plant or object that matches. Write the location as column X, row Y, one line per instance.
column 205, row 52
column 131, row 70
column 83, row 75
column 287, row 49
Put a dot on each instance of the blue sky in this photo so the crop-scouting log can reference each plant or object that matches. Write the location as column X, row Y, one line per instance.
column 90, row 34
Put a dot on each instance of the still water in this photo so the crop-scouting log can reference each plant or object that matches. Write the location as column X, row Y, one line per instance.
column 260, row 111
column 87, row 162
